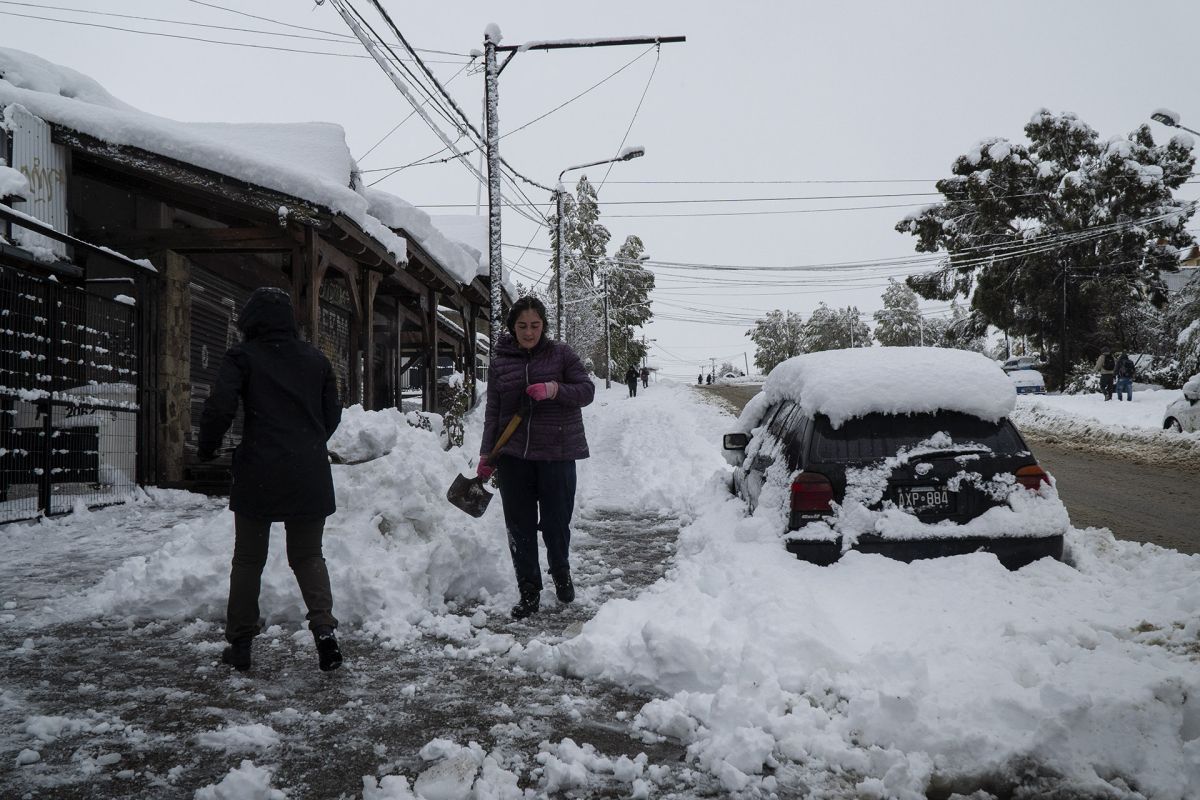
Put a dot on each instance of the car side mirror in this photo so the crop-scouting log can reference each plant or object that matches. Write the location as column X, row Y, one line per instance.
column 736, row 441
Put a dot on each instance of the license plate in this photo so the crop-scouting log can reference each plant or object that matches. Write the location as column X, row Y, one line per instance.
column 922, row 499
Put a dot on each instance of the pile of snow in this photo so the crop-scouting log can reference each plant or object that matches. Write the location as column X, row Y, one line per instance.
column 309, row 161
column 876, row 678
column 396, row 550
column 12, row 182
column 843, row 384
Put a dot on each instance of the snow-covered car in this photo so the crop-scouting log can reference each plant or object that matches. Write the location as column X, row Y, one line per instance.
column 1184, row 414
column 1022, row 363
column 1027, row 381
column 903, row 451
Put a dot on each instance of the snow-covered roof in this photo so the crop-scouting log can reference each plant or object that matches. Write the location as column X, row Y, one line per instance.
column 400, row 214
column 309, row 161
column 844, row 384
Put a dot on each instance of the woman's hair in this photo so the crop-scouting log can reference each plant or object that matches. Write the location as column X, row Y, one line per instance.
column 525, row 304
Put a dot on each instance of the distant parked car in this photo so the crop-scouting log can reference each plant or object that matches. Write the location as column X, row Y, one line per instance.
column 1027, row 381
column 907, row 452
column 1022, row 363
column 1184, row 414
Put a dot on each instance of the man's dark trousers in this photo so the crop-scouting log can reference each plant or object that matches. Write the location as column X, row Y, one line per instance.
column 524, row 487
column 251, row 539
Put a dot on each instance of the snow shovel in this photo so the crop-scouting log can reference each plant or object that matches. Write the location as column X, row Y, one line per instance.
column 470, row 494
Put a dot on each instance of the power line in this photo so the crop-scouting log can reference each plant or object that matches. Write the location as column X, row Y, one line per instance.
column 303, row 28
column 621, row 146
column 186, row 38
column 406, row 119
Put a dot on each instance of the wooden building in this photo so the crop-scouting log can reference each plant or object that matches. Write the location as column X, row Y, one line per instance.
column 220, row 210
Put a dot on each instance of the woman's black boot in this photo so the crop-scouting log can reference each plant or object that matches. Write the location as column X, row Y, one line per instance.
column 329, row 655
column 531, row 601
column 564, row 587
column 237, row 654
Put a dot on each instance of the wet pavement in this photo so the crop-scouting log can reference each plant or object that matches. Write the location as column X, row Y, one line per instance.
column 129, row 712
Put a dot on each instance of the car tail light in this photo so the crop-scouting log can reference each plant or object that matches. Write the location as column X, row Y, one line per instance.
column 811, row 494
column 1032, row 477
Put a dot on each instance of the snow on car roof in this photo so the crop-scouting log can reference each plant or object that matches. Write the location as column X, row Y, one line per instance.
column 844, row 384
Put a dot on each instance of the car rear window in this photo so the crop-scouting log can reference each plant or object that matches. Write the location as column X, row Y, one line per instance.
column 877, row 436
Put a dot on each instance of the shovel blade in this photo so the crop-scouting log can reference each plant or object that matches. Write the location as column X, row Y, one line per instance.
column 469, row 494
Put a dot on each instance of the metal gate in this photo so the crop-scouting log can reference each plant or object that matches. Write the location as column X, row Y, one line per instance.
column 68, row 397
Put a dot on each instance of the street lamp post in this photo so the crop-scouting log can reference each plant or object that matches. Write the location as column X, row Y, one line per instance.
column 1170, row 119
column 560, row 194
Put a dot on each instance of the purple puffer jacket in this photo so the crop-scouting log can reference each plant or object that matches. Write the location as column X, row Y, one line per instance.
column 552, row 430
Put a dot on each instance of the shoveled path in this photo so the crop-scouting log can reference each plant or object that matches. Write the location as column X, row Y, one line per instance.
column 146, row 694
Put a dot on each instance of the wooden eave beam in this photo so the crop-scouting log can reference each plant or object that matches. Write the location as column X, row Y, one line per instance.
column 170, row 174
column 353, row 240
column 194, row 240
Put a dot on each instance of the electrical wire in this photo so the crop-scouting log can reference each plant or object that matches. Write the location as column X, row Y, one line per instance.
column 410, row 115
column 642, row 99
column 303, row 28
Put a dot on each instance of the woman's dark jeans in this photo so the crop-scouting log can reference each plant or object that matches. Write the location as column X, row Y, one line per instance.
column 537, row 494
column 251, row 539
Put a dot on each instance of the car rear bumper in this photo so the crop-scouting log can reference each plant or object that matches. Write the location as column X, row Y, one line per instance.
column 1013, row 553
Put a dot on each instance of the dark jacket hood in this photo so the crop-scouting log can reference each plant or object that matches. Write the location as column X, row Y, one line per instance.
column 269, row 310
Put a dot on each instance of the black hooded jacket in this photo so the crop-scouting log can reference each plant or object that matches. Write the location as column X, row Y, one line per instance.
column 290, row 400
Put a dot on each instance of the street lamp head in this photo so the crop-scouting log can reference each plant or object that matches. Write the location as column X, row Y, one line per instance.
column 1166, row 116
column 630, row 153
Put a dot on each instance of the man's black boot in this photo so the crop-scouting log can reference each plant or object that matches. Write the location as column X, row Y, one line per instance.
column 329, row 655
column 237, row 654
column 564, row 587
column 531, row 601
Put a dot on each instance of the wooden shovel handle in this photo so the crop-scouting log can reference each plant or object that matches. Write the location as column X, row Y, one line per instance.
column 509, row 430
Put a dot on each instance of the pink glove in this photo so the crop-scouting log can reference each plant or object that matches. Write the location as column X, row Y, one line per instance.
column 482, row 469
column 542, row 391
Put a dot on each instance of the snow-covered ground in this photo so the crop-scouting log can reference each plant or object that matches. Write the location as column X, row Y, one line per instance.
column 870, row 678
column 1129, row 429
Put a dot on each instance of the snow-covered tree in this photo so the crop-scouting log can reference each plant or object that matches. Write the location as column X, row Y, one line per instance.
column 962, row 330
column 776, row 338
column 899, row 322
column 834, row 329
column 629, row 287
column 1067, row 213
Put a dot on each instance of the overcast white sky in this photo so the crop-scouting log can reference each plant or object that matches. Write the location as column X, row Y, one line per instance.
column 762, row 91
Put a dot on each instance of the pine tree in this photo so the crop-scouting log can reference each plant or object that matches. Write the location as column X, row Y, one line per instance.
column 629, row 287
column 834, row 329
column 899, row 323
column 776, row 338
column 1066, row 217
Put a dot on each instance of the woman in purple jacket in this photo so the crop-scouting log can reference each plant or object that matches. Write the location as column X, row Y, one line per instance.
column 543, row 380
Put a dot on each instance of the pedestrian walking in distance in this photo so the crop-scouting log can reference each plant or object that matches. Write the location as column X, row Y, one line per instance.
column 700, row 379
column 631, row 380
column 544, row 381
column 280, row 469
column 1125, row 370
column 645, row 377
column 1106, row 365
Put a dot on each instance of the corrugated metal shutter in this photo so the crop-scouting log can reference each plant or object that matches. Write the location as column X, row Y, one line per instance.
column 215, row 302
column 44, row 165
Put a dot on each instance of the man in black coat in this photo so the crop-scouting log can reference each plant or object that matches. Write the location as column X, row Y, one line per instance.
column 280, row 470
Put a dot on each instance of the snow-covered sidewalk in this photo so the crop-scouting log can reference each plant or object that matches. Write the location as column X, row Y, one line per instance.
column 700, row 660
column 1123, row 428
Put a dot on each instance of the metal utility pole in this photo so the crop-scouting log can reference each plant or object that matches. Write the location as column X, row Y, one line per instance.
column 607, row 337
column 560, row 195
column 491, row 46
column 746, row 357
column 713, row 368
column 495, row 273
column 560, row 206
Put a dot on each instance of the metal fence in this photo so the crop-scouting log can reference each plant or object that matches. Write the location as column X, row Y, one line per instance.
column 68, row 397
